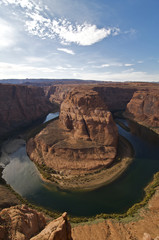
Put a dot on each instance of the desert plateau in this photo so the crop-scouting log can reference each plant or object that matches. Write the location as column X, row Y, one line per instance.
column 76, row 154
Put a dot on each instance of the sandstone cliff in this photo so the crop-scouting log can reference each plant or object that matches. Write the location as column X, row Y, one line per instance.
column 144, row 108
column 116, row 97
column 20, row 106
column 86, row 115
column 57, row 93
column 23, row 223
column 83, row 141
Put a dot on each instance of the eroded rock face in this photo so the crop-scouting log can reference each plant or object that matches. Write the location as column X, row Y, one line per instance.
column 21, row 105
column 116, row 97
column 57, row 93
column 144, row 108
column 83, row 141
column 59, row 229
column 23, row 223
column 87, row 117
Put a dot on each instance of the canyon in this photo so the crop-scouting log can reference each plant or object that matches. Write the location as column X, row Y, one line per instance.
column 85, row 130
column 21, row 106
column 83, row 141
column 144, row 109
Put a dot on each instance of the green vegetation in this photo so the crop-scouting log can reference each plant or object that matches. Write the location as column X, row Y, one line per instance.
column 149, row 191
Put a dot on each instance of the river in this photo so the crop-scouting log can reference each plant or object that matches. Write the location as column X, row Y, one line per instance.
column 117, row 197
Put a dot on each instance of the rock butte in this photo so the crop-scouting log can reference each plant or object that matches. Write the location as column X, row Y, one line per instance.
column 81, row 142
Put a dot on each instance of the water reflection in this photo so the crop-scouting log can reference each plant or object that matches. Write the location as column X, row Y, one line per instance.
column 23, row 176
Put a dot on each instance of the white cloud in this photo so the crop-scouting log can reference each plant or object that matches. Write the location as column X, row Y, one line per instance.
column 114, row 64
column 131, row 32
column 10, row 70
column 35, row 59
column 84, row 35
column 27, row 4
column 140, row 61
column 119, row 77
column 7, row 35
column 111, row 64
column 128, row 64
column 45, row 27
column 66, row 50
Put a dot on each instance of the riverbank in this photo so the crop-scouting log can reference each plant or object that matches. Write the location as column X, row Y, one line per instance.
column 136, row 226
column 142, row 123
column 96, row 179
column 7, row 196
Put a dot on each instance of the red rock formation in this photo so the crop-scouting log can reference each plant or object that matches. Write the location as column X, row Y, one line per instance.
column 57, row 93
column 20, row 106
column 82, row 142
column 58, row 229
column 116, row 97
column 23, row 223
column 86, row 115
column 144, row 108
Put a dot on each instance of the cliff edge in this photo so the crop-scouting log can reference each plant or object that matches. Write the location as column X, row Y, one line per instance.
column 20, row 106
column 144, row 109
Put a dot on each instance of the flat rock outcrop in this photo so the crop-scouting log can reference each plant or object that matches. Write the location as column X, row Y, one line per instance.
column 83, row 141
column 23, row 223
column 144, row 109
column 20, row 106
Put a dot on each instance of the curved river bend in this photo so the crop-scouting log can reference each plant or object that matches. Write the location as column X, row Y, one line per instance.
column 23, row 176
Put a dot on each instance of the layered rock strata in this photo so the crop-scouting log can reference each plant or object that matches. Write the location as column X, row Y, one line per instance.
column 20, row 106
column 83, row 141
column 144, row 109
column 117, row 97
column 23, row 223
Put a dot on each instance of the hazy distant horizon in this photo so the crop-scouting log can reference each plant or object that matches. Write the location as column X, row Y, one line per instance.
column 97, row 40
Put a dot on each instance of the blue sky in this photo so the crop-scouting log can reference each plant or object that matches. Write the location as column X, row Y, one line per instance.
column 112, row 40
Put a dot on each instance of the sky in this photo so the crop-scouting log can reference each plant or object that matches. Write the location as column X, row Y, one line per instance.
column 110, row 40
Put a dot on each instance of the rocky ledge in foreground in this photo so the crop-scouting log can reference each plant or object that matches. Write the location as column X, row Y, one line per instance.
column 81, row 143
column 144, row 225
column 144, row 109
column 23, row 223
